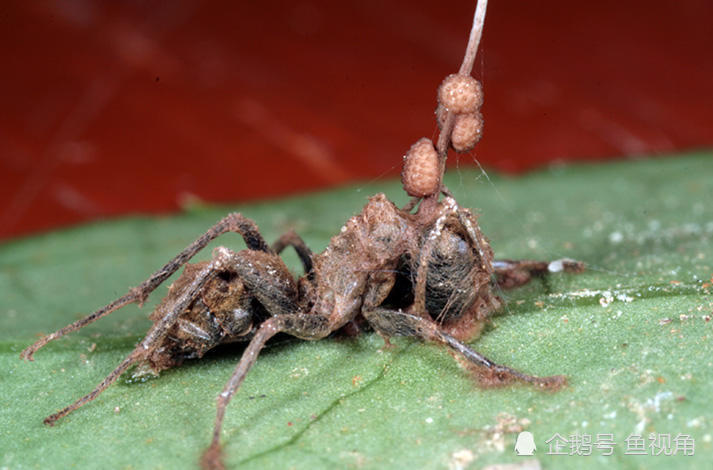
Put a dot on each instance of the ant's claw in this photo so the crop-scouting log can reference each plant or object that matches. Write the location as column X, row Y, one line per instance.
column 553, row 383
column 50, row 420
column 27, row 356
column 212, row 458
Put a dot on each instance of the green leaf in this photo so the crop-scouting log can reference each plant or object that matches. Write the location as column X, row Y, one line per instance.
column 632, row 334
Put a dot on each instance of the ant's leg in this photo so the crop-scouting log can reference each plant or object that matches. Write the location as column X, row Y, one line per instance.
column 231, row 223
column 411, row 204
column 397, row 323
column 275, row 292
column 449, row 209
column 156, row 333
column 134, row 357
column 305, row 326
column 470, row 222
column 517, row 273
column 419, row 290
column 295, row 241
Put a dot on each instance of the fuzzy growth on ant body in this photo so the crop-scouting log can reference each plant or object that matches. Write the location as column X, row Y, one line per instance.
column 428, row 274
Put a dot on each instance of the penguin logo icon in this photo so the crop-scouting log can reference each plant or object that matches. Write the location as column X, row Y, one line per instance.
column 525, row 444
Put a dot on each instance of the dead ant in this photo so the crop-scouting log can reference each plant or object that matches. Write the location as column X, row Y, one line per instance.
column 428, row 274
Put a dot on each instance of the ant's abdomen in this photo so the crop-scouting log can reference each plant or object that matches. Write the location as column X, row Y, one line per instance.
column 222, row 313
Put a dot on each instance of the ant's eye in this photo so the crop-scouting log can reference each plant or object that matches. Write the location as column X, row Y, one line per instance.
column 240, row 315
column 453, row 244
column 462, row 246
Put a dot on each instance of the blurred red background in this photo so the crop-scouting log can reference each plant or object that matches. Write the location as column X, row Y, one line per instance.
column 115, row 107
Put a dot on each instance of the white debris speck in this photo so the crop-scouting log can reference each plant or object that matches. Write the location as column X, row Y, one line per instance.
column 606, row 299
column 460, row 459
column 616, row 237
column 643, row 410
column 638, row 429
column 655, row 402
column 429, row 420
column 694, row 423
column 298, row 372
column 611, row 415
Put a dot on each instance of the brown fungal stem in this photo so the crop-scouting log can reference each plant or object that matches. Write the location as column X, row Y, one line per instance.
column 444, row 138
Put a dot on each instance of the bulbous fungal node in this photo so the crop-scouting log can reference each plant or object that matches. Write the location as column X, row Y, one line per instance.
column 460, row 93
column 467, row 130
column 421, row 174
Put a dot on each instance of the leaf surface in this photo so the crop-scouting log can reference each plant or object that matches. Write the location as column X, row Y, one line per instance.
column 632, row 334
